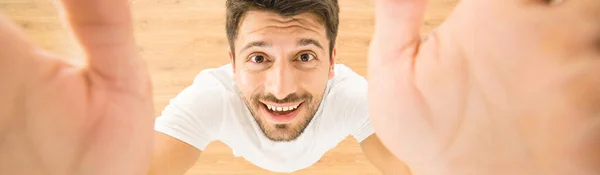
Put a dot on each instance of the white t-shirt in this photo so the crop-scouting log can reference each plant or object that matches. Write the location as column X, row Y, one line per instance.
column 212, row 109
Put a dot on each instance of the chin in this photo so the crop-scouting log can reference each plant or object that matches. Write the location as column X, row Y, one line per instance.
column 284, row 132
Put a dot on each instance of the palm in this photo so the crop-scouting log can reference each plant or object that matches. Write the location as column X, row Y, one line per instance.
column 60, row 119
column 501, row 86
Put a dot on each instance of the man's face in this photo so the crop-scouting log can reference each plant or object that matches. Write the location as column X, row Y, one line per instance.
column 282, row 66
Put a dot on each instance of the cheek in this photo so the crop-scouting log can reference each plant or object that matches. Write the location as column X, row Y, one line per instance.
column 248, row 83
column 314, row 82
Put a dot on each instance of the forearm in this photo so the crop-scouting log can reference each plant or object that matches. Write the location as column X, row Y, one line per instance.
column 382, row 158
column 393, row 166
column 172, row 156
column 168, row 168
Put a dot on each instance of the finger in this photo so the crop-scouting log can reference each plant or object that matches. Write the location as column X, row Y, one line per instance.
column 15, row 49
column 396, row 107
column 397, row 26
column 15, row 57
column 104, row 30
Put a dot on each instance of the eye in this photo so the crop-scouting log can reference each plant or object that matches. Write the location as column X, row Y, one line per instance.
column 306, row 57
column 553, row 2
column 257, row 58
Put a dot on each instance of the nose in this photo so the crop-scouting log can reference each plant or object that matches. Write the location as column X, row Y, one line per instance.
column 281, row 80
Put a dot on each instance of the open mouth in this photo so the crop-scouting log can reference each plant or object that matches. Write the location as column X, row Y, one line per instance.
column 281, row 110
column 282, row 114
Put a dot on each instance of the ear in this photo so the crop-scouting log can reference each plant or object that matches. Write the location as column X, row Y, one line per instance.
column 332, row 66
column 231, row 60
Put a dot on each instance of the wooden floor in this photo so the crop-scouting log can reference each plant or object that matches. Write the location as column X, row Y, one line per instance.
column 179, row 38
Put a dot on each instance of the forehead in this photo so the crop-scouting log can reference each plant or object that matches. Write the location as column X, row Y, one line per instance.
column 257, row 22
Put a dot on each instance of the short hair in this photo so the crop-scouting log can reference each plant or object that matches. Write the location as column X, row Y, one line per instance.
column 326, row 10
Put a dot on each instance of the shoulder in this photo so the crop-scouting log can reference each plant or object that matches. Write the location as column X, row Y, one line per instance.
column 195, row 114
column 349, row 94
column 347, row 84
column 220, row 77
column 205, row 98
column 208, row 86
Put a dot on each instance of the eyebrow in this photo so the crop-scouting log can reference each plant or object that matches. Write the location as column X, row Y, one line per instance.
column 302, row 42
column 308, row 41
column 255, row 44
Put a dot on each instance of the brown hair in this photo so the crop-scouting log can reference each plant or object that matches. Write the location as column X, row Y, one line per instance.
column 327, row 10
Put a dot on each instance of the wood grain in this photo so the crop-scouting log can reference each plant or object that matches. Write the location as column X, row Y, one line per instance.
column 179, row 38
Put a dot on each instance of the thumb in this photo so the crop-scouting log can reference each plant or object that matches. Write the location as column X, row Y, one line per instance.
column 397, row 27
column 105, row 31
column 396, row 107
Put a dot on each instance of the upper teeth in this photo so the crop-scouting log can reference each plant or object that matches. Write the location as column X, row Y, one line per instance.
column 279, row 108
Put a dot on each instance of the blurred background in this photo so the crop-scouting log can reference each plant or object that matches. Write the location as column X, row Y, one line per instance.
column 179, row 38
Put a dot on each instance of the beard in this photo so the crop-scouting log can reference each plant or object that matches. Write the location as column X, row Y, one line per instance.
column 283, row 132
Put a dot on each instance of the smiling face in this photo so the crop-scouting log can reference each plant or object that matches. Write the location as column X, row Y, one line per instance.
column 282, row 65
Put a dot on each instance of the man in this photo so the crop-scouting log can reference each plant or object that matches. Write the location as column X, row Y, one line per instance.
column 281, row 104
column 530, row 68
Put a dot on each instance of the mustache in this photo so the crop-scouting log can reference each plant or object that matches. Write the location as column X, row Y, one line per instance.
column 291, row 98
